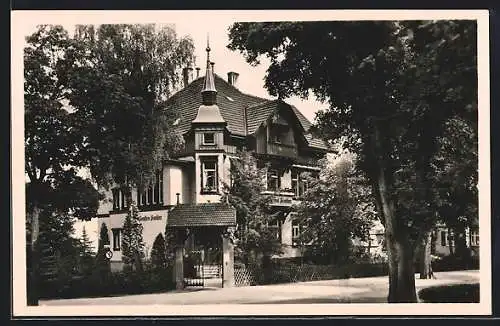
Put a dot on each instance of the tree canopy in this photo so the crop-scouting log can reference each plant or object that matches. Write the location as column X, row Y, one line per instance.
column 336, row 208
column 119, row 90
column 393, row 87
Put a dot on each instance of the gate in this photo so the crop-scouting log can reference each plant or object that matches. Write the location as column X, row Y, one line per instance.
column 193, row 268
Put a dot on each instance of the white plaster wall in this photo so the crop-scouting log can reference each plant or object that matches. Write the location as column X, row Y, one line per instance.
column 151, row 228
column 286, row 231
column 286, row 180
column 175, row 182
column 188, row 186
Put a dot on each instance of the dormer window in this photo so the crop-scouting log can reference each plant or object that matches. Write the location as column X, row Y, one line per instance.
column 209, row 138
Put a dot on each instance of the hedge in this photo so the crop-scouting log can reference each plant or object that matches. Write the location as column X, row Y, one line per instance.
column 109, row 284
column 455, row 293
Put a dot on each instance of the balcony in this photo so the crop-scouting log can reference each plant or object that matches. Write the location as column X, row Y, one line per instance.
column 281, row 149
column 280, row 198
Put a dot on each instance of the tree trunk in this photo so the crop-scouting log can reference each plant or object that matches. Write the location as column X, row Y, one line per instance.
column 32, row 263
column 400, row 254
column 425, row 258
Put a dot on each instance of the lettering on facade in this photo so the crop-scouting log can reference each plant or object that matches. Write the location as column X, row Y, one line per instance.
column 150, row 218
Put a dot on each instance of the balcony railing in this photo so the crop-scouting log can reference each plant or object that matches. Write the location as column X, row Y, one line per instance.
column 280, row 198
column 282, row 149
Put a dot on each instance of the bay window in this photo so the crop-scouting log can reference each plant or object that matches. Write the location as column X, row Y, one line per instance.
column 209, row 175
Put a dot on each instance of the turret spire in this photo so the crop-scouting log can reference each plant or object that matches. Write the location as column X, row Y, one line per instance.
column 209, row 93
column 208, row 112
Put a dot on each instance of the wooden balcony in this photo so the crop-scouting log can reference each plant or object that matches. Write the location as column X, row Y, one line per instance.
column 281, row 149
column 280, row 198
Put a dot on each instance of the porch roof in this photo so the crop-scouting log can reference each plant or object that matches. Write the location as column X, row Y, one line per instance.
column 206, row 214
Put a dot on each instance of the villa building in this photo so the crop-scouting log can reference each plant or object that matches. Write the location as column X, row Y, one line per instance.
column 217, row 120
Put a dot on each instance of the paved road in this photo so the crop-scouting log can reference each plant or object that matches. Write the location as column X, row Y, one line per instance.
column 356, row 290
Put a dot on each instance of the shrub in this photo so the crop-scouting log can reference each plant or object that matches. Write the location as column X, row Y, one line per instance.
column 456, row 293
column 455, row 263
column 149, row 280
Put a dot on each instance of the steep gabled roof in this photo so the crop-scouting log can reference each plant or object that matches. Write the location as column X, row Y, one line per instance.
column 258, row 113
column 243, row 113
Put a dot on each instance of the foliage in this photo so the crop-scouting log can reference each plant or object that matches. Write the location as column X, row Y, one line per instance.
column 336, row 208
column 59, row 253
column 119, row 90
column 253, row 214
column 392, row 87
column 95, row 101
column 119, row 283
column 51, row 144
column 158, row 253
column 454, row 293
column 132, row 241
column 102, row 265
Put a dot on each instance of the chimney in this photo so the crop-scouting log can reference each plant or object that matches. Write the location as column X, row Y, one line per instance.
column 186, row 75
column 232, row 78
column 212, row 64
column 178, row 201
column 197, row 72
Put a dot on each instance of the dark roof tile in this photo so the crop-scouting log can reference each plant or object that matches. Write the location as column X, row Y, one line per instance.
column 216, row 214
column 234, row 106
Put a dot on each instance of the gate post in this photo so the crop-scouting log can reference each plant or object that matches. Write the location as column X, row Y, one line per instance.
column 179, row 267
column 227, row 259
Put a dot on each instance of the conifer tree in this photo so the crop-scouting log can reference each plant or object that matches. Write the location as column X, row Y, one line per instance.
column 86, row 253
column 158, row 252
column 132, row 241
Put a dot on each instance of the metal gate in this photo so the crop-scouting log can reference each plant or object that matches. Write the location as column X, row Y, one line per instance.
column 193, row 268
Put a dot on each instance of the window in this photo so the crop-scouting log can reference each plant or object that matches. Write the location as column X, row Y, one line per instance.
column 117, row 239
column 208, row 138
column 295, row 233
column 300, row 183
column 274, row 228
column 475, row 238
column 153, row 195
column 124, row 194
column 273, row 180
column 443, row 238
column 116, row 198
column 209, row 175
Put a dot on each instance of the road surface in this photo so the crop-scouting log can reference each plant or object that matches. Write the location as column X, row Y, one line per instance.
column 354, row 290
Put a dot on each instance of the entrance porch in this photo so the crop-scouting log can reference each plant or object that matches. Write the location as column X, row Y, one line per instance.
column 204, row 249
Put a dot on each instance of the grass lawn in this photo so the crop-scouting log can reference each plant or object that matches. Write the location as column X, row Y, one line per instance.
column 453, row 293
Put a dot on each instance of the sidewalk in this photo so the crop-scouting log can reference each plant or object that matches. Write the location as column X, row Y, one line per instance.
column 355, row 290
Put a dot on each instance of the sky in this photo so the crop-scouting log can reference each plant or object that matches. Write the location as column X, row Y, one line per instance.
column 251, row 79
